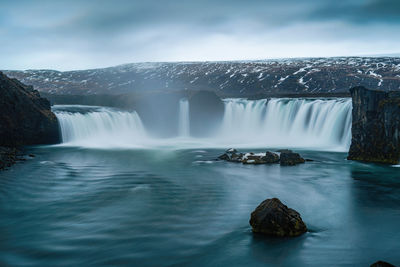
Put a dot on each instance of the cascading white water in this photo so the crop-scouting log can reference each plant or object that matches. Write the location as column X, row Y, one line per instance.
column 99, row 127
column 288, row 122
column 323, row 124
column 184, row 121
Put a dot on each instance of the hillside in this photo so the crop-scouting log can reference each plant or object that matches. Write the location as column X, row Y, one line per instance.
column 236, row 79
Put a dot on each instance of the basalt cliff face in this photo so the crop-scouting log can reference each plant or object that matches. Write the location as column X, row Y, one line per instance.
column 376, row 126
column 25, row 117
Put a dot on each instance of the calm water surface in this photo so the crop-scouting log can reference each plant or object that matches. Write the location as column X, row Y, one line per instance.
column 85, row 207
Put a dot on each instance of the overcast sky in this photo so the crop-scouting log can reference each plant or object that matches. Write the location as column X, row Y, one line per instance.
column 72, row 34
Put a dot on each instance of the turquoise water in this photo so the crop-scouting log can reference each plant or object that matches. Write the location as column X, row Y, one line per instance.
column 71, row 206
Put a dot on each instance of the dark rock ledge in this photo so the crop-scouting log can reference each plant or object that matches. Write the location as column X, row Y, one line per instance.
column 25, row 119
column 375, row 126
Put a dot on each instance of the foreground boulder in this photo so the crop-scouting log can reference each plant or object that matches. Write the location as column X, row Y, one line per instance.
column 25, row 117
column 289, row 158
column 375, row 126
column 273, row 218
column 382, row 264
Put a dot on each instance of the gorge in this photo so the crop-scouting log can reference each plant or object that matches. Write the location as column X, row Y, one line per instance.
column 113, row 164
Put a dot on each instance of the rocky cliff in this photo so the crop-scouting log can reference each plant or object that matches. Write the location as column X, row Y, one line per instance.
column 376, row 126
column 25, row 117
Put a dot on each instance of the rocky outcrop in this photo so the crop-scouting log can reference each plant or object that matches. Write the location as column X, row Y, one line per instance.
column 289, row 158
column 232, row 155
column 382, row 264
column 286, row 158
column 273, row 218
column 25, row 117
column 375, row 126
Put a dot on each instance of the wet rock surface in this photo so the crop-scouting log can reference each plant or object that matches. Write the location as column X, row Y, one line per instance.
column 289, row 158
column 273, row 218
column 286, row 157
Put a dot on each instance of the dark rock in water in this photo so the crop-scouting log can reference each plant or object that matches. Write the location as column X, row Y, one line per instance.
column 290, row 158
column 25, row 117
column 375, row 126
column 271, row 157
column 273, row 218
column 224, row 157
column 261, row 158
column 8, row 156
column 236, row 157
column 382, row 264
column 231, row 156
column 251, row 158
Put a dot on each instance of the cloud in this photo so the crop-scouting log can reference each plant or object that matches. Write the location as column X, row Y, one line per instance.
column 362, row 12
column 84, row 34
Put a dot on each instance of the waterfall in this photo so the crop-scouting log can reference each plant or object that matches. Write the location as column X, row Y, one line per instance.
column 184, row 121
column 99, row 127
column 288, row 122
column 323, row 124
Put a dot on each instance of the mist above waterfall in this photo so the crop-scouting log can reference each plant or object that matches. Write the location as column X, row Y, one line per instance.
column 184, row 120
column 276, row 123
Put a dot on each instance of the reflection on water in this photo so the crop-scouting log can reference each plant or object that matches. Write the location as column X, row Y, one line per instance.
column 80, row 207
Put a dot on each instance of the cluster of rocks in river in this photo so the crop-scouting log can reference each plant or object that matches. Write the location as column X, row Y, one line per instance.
column 285, row 157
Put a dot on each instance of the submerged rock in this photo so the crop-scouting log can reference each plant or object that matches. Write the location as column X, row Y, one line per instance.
column 382, row 264
column 273, row 218
column 290, row 158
